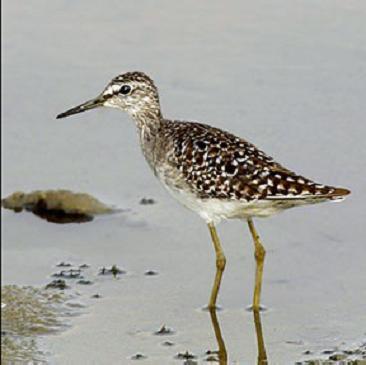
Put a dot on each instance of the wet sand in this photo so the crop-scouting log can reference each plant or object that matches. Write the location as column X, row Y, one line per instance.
column 282, row 77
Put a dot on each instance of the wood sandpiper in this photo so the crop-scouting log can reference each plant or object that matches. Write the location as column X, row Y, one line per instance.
column 210, row 171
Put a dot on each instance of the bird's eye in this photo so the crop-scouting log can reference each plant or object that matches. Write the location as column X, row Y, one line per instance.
column 125, row 89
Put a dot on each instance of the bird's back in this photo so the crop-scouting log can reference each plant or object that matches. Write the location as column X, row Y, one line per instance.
column 214, row 164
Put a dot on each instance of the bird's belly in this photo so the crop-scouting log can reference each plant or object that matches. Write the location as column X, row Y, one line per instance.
column 214, row 210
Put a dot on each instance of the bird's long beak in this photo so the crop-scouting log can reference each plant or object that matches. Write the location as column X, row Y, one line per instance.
column 90, row 104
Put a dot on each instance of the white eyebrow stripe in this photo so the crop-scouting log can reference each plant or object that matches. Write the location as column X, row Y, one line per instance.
column 116, row 88
column 108, row 91
column 112, row 89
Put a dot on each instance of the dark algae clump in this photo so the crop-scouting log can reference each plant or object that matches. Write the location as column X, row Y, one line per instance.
column 114, row 270
column 57, row 284
column 147, row 201
column 163, row 331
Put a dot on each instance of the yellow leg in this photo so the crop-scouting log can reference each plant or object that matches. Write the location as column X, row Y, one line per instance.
column 259, row 255
column 220, row 265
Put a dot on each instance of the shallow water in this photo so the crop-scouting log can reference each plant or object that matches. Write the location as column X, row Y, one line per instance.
column 281, row 75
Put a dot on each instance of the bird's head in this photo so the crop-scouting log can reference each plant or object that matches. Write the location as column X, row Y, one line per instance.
column 133, row 92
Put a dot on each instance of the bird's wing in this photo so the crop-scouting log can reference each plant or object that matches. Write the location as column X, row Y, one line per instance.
column 217, row 164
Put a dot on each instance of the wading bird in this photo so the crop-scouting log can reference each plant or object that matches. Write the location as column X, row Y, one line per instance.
column 210, row 171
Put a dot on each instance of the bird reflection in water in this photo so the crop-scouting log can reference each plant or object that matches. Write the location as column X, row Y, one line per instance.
column 262, row 355
column 222, row 352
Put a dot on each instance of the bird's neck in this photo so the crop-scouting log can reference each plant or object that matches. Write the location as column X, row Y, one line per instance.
column 148, row 122
column 149, row 125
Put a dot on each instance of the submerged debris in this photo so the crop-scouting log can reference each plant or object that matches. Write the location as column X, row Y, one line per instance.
column 168, row 343
column 212, row 356
column 64, row 264
column 68, row 274
column 114, row 270
column 57, row 284
column 147, row 201
column 85, row 282
column 164, row 331
column 185, row 356
column 355, row 356
column 307, row 352
column 58, row 206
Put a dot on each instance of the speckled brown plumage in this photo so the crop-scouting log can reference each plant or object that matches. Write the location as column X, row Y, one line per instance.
column 217, row 164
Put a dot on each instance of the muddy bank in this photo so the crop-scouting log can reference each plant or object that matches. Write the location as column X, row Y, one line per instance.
column 26, row 314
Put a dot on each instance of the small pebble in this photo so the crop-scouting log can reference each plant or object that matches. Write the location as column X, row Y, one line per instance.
column 151, row 273
column 64, row 264
column 307, row 352
column 138, row 357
